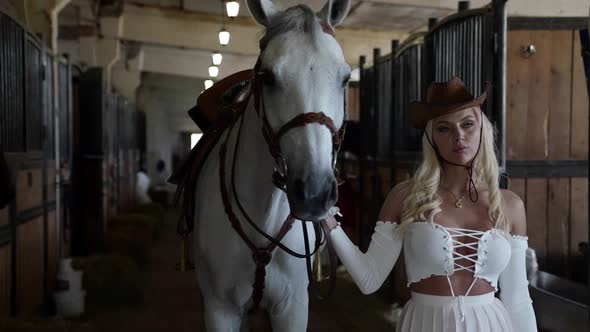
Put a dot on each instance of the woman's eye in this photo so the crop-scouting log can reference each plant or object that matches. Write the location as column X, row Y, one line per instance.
column 443, row 129
column 468, row 124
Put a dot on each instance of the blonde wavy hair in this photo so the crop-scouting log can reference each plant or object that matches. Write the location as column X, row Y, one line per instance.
column 423, row 203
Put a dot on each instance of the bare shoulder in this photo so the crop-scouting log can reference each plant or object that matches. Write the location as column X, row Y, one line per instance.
column 391, row 209
column 515, row 211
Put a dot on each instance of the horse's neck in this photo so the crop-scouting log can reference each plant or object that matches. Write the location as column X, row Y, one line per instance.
column 263, row 202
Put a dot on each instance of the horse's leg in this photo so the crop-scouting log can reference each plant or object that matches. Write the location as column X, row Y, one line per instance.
column 219, row 315
column 290, row 314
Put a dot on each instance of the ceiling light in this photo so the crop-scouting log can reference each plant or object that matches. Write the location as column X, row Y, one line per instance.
column 233, row 8
column 223, row 37
column 213, row 71
column 217, row 58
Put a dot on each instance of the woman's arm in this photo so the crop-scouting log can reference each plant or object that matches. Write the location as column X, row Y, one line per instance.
column 369, row 270
column 514, row 291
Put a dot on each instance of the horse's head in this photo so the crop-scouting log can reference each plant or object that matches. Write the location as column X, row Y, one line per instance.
column 302, row 71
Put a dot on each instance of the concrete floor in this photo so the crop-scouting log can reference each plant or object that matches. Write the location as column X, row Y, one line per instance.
column 172, row 301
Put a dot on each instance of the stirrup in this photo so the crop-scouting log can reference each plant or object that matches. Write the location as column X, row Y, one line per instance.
column 184, row 264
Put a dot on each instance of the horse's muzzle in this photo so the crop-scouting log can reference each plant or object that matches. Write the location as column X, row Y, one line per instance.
column 312, row 197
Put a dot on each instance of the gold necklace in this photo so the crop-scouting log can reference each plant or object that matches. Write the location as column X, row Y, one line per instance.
column 459, row 201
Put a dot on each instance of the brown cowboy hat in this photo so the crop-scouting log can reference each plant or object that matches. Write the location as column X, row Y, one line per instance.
column 443, row 98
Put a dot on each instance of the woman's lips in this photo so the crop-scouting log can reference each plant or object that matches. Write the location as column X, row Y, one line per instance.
column 460, row 150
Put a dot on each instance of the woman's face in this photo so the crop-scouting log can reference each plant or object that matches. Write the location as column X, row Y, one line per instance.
column 456, row 135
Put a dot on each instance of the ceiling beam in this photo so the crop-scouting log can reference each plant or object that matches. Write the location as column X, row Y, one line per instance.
column 173, row 27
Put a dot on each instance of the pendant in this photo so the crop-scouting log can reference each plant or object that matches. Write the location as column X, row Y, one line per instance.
column 459, row 204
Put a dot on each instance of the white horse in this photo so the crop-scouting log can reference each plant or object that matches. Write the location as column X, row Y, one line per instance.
column 304, row 71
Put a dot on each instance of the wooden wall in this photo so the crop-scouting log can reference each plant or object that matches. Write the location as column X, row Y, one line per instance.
column 547, row 119
column 29, row 241
column 353, row 102
column 5, row 270
column 52, row 254
column 29, row 260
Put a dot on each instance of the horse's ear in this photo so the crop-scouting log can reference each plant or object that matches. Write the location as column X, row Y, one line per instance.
column 335, row 11
column 262, row 10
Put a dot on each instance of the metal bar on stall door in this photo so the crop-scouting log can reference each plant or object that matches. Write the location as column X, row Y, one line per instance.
column 44, row 164
column 362, row 154
column 393, row 131
column 470, row 52
column 459, row 50
column 447, row 63
column 500, row 84
column 455, row 70
column 375, row 98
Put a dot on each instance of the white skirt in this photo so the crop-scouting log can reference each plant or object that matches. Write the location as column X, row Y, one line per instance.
column 430, row 313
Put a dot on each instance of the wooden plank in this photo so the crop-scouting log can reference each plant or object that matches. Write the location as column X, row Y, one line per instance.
column 517, row 95
column 560, row 94
column 367, row 183
column 538, row 101
column 354, row 103
column 579, row 132
column 536, row 203
column 558, row 216
column 52, row 255
column 518, row 186
column 29, row 260
column 29, row 192
column 385, row 182
column 558, row 202
column 51, row 184
column 579, row 213
column 5, row 281
column 4, row 215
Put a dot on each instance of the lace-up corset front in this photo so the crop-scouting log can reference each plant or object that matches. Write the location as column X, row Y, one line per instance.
column 429, row 249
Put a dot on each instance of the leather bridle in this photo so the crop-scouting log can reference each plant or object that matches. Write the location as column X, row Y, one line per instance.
column 273, row 139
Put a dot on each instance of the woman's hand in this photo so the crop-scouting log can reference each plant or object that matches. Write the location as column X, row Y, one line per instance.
column 331, row 220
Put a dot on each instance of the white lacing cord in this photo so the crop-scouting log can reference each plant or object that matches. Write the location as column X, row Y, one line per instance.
column 473, row 234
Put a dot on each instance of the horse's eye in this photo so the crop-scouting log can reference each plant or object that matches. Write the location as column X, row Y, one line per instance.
column 268, row 77
column 345, row 80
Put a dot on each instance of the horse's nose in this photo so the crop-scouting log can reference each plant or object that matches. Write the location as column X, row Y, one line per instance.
column 299, row 189
column 316, row 194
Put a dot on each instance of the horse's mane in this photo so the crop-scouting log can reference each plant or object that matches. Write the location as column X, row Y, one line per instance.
column 299, row 18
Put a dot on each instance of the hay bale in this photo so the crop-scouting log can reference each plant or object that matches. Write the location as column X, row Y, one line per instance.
column 131, row 241
column 35, row 324
column 110, row 280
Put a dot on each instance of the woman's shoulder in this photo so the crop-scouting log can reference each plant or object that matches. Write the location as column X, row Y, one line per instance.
column 391, row 209
column 514, row 209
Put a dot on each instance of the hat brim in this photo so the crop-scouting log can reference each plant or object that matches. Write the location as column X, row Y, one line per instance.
column 421, row 112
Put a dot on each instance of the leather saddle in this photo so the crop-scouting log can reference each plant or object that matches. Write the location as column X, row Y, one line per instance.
column 216, row 108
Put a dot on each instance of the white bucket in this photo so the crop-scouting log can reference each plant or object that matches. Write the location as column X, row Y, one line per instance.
column 73, row 279
column 65, row 265
column 68, row 276
column 70, row 303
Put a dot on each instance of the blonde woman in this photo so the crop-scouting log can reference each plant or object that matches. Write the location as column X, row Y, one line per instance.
column 463, row 237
